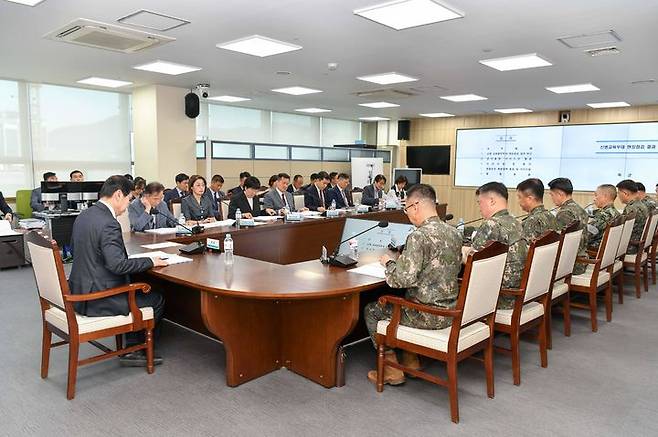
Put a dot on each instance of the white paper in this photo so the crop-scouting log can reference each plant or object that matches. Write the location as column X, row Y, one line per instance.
column 161, row 231
column 169, row 257
column 310, row 213
column 267, row 218
column 373, row 269
column 228, row 222
column 161, row 245
column 313, row 217
column 5, row 228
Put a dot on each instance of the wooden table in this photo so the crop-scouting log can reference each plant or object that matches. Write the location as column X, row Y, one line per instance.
column 277, row 305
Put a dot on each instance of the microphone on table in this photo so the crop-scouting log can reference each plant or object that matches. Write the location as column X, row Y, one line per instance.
column 346, row 261
column 194, row 230
column 192, row 248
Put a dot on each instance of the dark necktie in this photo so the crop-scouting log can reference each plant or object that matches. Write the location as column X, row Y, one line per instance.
column 283, row 198
column 321, row 197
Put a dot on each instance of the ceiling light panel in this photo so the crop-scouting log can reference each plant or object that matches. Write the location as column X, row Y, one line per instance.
column 436, row 115
column 296, row 90
column 228, row 99
column 379, row 105
column 374, row 118
column 165, row 67
column 313, row 110
column 403, row 14
column 387, row 78
column 464, row 98
column 519, row 62
column 260, row 46
column 26, row 2
column 579, row 88
column 108, row 83
column 608, row 105
column 513, row 110
column 152, row 20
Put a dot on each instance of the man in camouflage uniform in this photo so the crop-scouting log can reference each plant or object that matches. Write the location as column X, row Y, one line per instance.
column 530, row 194
column 427, row 267
column 642, row 197
column 568, row 212
column 604, row 199
column 500, row 225
column 628, row 195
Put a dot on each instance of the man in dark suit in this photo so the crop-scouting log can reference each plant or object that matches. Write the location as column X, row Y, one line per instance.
column 339, row 192
column 215, row 193
column 35, row 198
column 100, row 262
column 314, row 195
column 243, row 177
column 279, row 197
column 180, row 190
column 247, row 202
column 5, row 209
column 372, row 193
column 141, row 211
column 297, row 183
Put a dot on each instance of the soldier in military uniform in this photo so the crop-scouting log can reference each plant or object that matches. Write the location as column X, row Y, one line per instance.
column 642, row 197
column 530, row 194
column 569, row 211
column 604, row 199
column 500, row 225
column 627, row 190
column 427, row 267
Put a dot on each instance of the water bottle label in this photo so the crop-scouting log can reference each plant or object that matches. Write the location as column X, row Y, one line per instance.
column 228, row 245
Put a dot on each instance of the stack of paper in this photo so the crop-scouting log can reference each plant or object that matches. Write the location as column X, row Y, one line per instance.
column 161, row 245
column 373, row 269
column 161, row 231
column 228, row 222
column 169, row 257
column 5, row 228
column 267, row 218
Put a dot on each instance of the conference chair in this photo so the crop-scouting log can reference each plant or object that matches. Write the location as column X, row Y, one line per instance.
column 356, row 197
column 471, row 330
column 175, row 207
column 638, row 263
column 59, row 316
column 531, row 301
column 124, row 221
column 23, row 208
column 298, row 201
column 224, row 206
column 618, row 266
column 568, row 252
column 597, row 276
column 652, row 256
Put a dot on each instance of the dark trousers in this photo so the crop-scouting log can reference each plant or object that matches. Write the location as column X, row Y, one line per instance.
column 154, row 300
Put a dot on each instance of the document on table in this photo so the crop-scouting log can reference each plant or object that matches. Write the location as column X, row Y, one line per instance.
column 169, row 257
column 311, row 213
column 373, row 269
column 161, row 231
column 267, row 218
column 161, row 245
column 228, row 222
column 5, row 228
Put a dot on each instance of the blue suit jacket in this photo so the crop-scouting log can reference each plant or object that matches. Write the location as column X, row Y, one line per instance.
column 335, row 194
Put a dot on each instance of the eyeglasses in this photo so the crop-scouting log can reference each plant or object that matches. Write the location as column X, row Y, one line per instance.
column 406, row 208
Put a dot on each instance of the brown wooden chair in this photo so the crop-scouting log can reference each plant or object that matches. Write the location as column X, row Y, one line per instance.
column 618, row 266
column 569, row 243
column 531, row 300
column 597, row 277
column 60, row 318
column 652, row 256
column 638, row 263
column 471, row 330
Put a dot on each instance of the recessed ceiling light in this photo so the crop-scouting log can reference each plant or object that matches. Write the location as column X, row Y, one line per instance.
column 580, row 88
column 436, row 114
column 153, row 20
column 229, row 99
column 313, row 110
column 99, row 81
column 403, row 14
column 296, row 90
column 512, row 110
column 257, row 45
column 374, row 118
column 165, row 67
column 26, row 2
column 520, row 62
column 464, row 98
column 379, row 105
column 608, row 105
column 387, row 78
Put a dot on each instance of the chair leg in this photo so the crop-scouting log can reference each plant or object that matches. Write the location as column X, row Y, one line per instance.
column 620, row 286
column 645, row 273
column 566, row 311
column 638, row 285
column 593, row 310
column 543, row 353
column 149, row 351
column 549, row 326
column 74, row 348
column 608, row 302
column 488, row 367
column 653, row 265
column 119, row 340
column 45, row 350
column 516, row 357
column 380, row 368
column 452, row 390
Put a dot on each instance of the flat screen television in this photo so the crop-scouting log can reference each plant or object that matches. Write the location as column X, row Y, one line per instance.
column 432, row 159
column 413, row 175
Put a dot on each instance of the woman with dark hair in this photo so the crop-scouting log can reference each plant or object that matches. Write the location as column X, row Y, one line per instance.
column 197, row 208
column 399, row 188
column 139, row 184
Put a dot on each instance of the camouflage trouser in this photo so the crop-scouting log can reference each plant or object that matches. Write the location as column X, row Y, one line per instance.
column 505, row 302
column 579, row 268
column 373, row 313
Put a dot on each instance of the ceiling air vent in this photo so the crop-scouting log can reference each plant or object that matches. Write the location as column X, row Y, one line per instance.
column 603, row 51
column 384, row 94
column 106, row 36
column 603, row 38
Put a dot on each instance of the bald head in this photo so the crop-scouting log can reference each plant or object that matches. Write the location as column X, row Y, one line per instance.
column 605, row 195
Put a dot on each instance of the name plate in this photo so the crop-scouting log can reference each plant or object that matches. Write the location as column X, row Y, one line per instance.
column 212, row 244
column 293, row 217
column 247, row 222
column 333, row 213
column 362, row 208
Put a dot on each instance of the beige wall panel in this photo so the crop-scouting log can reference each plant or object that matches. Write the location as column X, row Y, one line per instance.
column 263, row 169
column 305, row 168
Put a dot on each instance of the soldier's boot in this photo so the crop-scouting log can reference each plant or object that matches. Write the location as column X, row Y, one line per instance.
column 410, row 360
column 392, row 376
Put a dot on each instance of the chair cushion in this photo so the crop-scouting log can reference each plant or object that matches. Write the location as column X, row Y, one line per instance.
column 438, row 339
column 530, row 311
column 583, row 280
column 631, row 258
column 57, row 317
column 559, row 288
column 617, row 266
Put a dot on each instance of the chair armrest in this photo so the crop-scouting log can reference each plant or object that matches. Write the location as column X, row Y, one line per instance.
column 514, row 292
column 580, row 259
column 400, row 302
column 145, row 288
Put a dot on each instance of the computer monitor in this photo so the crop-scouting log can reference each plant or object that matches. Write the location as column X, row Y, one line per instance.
column 65, row 192
column 378, row 238
column 413, row 175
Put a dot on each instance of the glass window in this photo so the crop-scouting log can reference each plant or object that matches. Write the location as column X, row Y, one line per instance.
column 75, row 128
column 295, row 129
column 270, row 152
column 232, row 123
column 306, row 153
column 15, row 159
column 200, row 149
column 340, row 131
column 384, row 154
column 362, row 153
column 331, row 154
column 231, row 150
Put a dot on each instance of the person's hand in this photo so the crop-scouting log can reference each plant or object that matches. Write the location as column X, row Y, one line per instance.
column 270, row 211
column 210, row 220
column 321, row 209
column 302, row 209
column 384, row 259
column 191, row 222
column 147, row 205
column 247, row 215
column 159, row 262
column 466, row 251
column 8, row 216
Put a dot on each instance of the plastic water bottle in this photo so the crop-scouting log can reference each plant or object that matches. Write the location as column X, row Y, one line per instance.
column 333, row 204
column 238, row 217
column 460, row 227
column 181, row 223
column 381, row 203
column 181, row 219
column 228, row 249
column 354, row 249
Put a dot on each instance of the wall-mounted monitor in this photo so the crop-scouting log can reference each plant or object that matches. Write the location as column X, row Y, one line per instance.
column 413, row 175
column 432, row 159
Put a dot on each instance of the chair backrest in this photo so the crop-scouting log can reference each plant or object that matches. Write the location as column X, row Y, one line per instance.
column 626, row 235
column 610, row 243
column 650, row 230
column 298, row 201
column 224, row 206
column 569, row 251
column 50, row 283
column 483, row 274
column 544, row 253
column 357, row 196
column 124, row 221
column 174, row 206
column 23, row 208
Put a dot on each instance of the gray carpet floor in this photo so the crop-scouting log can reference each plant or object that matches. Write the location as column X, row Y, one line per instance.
column 603, row 384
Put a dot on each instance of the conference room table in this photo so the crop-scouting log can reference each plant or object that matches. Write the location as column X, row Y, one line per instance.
column 276, row 306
